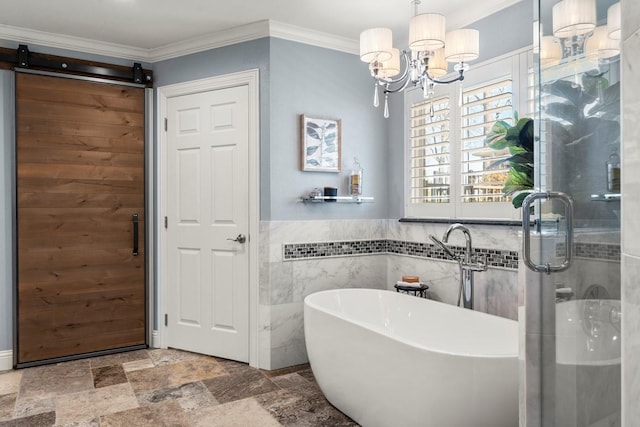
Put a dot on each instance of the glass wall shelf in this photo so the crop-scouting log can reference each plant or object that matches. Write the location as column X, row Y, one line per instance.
column 606, row 197
column 338, row 199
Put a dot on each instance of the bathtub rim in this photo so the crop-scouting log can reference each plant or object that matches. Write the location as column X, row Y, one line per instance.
column 407, row 341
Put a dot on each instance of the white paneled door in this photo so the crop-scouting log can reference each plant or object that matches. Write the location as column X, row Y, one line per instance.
column 208, row 223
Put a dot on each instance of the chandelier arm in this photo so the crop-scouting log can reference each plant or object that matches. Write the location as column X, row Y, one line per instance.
column 398, row 89
column 445, row 82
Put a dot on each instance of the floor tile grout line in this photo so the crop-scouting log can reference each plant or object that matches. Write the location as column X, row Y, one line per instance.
column 298, row 381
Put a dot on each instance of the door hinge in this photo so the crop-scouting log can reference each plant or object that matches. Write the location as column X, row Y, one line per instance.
column 166, row 319
column 166, row 222
column 166, row 124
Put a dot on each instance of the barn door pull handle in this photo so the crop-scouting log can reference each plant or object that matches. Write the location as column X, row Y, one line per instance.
column 134, row 218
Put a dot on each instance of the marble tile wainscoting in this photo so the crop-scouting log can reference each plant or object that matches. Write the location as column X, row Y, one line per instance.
column 302, row 257
column 496, row 290
column 285, row 283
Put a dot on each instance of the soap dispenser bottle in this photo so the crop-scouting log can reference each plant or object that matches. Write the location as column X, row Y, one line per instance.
column 355, row 179
column 613, row 172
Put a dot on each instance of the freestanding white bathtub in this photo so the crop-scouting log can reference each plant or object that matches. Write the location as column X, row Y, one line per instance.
column 392, row 360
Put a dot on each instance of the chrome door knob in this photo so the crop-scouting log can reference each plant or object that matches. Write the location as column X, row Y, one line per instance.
column 241, row 238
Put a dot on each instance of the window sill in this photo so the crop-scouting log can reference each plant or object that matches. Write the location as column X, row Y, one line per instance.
column 498, row 222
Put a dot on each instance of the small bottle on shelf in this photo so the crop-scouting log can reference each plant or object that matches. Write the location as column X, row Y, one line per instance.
column 613, row 173
column 355, row 179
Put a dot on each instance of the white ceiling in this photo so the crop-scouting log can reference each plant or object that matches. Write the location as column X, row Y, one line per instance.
column 151, row 25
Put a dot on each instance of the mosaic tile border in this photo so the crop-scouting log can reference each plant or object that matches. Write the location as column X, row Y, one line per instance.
column 601, row 251
column 333, row 249
column 301, row 251
column 495, row 257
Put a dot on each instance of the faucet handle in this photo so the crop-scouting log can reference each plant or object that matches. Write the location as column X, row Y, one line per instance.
column 482, row 261
column 478, row 263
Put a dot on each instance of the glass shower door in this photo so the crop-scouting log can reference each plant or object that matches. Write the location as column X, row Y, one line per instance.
column 570, row 268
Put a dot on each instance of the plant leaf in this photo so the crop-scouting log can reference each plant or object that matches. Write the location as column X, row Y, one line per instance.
column 560, row 132
column 330, row 148
column 518, row 199
column 312, row 149
column 596, row 130
column 519, row 179
column 593, row 86
column 525, row 137
column 565, row 89
column 516, row 149
column 609, row 105
column 496, row 137
column 313, row 130
column 563, row 111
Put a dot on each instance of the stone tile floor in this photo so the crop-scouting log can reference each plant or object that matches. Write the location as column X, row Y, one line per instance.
column 163, row 388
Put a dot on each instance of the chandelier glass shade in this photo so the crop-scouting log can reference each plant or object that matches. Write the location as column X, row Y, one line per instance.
column 424, row 63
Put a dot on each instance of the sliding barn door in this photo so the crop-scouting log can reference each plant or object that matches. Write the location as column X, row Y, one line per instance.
column 80, row 214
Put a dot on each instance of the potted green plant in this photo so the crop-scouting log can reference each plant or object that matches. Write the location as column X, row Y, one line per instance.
column 518, row 139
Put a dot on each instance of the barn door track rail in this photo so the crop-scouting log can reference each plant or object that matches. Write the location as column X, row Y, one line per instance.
column 23, row 58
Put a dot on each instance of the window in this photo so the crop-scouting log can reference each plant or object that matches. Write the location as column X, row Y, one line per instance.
column 452, row 173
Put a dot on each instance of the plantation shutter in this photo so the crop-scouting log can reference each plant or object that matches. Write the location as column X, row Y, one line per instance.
column 430, row 149
column 481, row 179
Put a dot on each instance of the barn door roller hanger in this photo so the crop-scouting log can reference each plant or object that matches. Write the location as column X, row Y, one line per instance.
column 23, row 58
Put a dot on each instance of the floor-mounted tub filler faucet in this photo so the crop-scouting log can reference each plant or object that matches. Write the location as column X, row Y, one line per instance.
column 468, row 263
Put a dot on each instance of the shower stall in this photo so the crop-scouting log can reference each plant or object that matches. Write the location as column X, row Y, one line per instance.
column 569, row 269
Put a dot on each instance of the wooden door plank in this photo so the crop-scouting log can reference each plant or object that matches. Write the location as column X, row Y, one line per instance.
column 54, row 185
column 57, row 143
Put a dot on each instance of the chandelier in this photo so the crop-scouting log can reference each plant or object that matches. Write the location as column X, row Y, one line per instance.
column 424, row 63
column 575, row 33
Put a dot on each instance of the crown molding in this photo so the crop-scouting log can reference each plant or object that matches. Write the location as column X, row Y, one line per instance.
column 313, row 38
column 243, row 33
column 253, row 31
column 27, row 36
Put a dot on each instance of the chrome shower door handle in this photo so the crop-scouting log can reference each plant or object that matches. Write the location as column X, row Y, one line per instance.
column 526, row 231
column 240, row 238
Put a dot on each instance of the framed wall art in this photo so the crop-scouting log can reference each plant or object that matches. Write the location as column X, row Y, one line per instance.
column 319, row 144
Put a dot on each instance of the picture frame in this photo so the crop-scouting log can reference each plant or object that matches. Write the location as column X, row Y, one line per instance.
column 320, row 144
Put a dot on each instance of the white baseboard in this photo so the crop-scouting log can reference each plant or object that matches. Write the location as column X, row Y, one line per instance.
column 155, row 339
column 6, row 360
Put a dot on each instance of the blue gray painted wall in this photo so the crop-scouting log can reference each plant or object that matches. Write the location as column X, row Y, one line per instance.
column 324, row 83
column 505, row 31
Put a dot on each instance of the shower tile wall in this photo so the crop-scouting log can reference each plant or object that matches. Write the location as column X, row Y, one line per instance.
column 285, row 282
column 630, row 209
